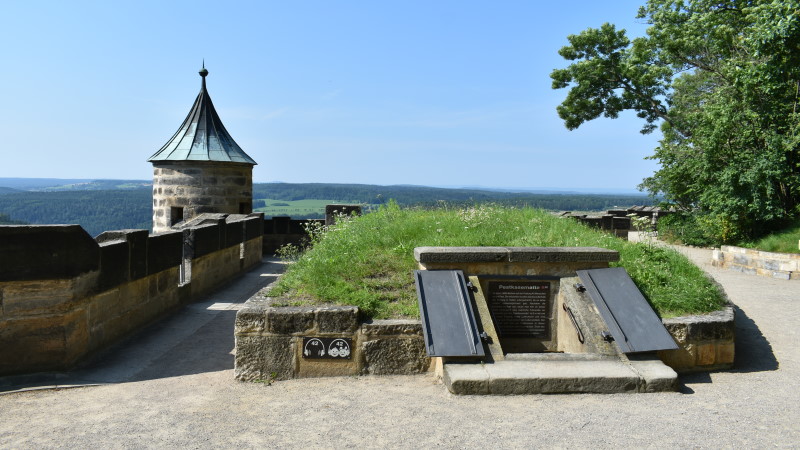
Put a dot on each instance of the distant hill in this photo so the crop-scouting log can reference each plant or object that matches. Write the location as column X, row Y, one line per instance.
column 28, row 184
column 58, row 184
column 96, row 211
column 101, row 205
column 430, row 196
column 5, row 220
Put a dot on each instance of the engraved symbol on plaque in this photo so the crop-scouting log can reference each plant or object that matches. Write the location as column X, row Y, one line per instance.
column 314, row 348
column 339, row 349
column 327, row 348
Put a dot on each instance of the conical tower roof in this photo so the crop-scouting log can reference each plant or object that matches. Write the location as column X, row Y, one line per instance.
column 202, row 136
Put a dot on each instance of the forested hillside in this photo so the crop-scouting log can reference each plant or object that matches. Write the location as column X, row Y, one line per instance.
column 426, row 196
column 5, row 220
column 102, row 210
column 96, row 211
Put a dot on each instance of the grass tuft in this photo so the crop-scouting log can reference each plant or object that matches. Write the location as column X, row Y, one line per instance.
column 784, row 241
column 367, row 261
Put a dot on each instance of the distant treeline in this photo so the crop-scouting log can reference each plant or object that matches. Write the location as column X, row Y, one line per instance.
column 102, row 210
column 5, row 220
column 96, row 211
column 428, row 196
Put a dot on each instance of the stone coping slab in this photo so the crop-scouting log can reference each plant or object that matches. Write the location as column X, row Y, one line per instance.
column 514, row 254
column 785, row 266
column 559, row 376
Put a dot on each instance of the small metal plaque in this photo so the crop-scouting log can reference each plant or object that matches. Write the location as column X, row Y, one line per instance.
column 327, row 348
column 520, row 308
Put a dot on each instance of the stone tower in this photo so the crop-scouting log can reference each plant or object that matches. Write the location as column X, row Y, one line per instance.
column 200, row 169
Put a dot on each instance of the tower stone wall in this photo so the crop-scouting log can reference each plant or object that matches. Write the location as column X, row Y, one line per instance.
column 183, row 190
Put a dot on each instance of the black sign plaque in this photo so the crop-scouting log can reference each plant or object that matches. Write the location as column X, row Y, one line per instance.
column 520, row 308
column 327, row 348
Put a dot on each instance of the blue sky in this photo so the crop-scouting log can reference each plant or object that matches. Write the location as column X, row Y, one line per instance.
column 438, row 93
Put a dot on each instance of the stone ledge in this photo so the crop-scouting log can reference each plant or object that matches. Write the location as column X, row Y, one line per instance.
column 425, row 255
column 391, row 328
column 784, row 266
column 554, row 377
column 268, row 340
column 707, row 342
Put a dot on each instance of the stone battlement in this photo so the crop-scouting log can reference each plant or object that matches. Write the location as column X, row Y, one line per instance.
column 64, row 295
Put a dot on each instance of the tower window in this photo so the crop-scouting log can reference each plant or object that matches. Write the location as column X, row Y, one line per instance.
column 245, row 208
column 175, row 215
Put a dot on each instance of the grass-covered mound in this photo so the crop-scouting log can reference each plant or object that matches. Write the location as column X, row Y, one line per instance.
column 783, row 241
column 368, row 261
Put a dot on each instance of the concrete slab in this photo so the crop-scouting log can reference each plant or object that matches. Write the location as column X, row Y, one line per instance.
column 466, row 379
column 655, row 376
column 555, row 377
column 559, row 357
column 559, row 373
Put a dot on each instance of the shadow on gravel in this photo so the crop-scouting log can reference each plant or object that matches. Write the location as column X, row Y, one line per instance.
column 210, row 349
column 187, row 342
column 692, row 378
column 753, row 351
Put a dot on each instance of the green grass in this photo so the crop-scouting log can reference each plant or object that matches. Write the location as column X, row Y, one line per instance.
column 296, row 207
column 784, row 241
column 368, row 261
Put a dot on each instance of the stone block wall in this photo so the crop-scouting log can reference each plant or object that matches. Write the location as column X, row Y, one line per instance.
column 269, row 343
column 64, row 295
column 785, row 266
column 279, row 231
column 198, row 187
column 618, row 221
column 707, row 342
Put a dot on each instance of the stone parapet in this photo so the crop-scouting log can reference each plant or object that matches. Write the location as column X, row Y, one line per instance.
column 31, row 252
column 69, row 295
column 785, row 266
column 707, row 342
column 269, row 343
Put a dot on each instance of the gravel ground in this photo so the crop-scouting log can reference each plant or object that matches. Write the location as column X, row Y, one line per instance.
column 173, row 386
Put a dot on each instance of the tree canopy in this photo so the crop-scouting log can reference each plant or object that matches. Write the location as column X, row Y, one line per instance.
column 722, row 79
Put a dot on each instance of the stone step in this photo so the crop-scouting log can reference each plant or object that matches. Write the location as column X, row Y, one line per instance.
column 600, row 376
column 555, row 356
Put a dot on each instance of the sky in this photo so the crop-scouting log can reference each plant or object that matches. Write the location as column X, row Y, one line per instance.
column 435, row 93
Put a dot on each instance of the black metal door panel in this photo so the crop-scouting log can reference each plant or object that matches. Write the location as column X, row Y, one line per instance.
column 448, row 321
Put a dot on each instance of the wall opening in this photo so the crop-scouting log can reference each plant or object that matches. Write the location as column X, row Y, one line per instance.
column 185, row 268
column 175, row 215
column 245, row 207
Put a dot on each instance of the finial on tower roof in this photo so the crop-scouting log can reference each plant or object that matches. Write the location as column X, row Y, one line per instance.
column 203, row 72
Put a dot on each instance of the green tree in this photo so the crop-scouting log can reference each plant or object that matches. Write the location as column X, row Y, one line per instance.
column 722, row 79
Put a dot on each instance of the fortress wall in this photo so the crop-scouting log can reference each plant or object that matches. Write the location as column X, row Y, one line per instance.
column 64, row 295
column 279, row 231
column 784, row 266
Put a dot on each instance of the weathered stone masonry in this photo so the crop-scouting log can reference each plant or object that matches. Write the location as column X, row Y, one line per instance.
column 269, row 343
column 184, row 190
column 64, row 295
column 784, row 266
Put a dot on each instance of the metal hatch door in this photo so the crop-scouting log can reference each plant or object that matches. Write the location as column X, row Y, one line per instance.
column 448, row 321
column 630, row 319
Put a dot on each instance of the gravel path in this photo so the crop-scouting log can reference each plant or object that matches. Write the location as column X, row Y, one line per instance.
column 173, row 386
